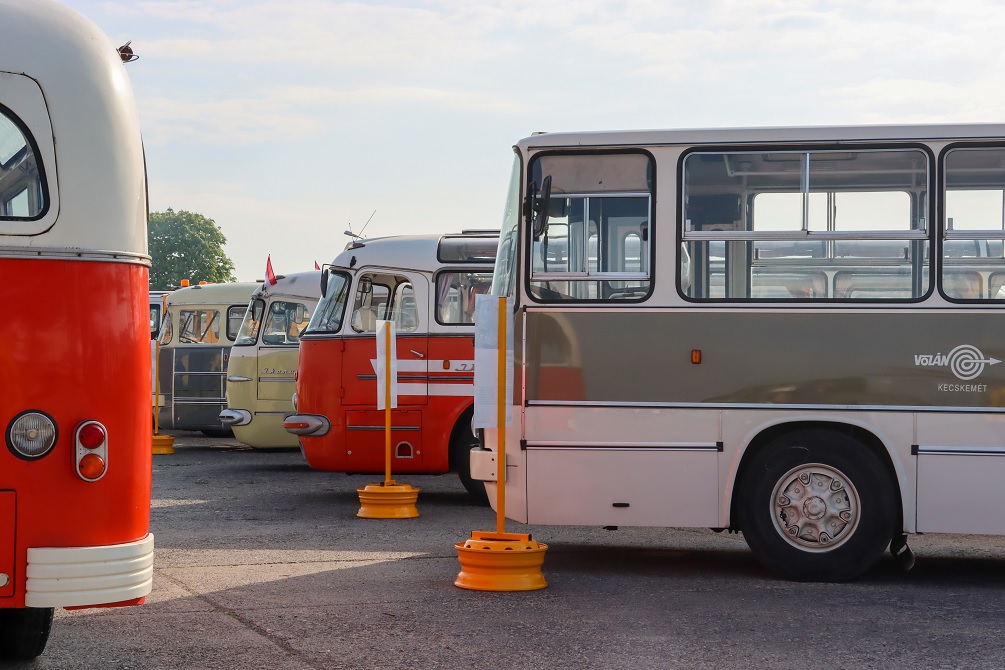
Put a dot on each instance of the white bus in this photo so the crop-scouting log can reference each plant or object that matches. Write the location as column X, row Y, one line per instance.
column 788, row 332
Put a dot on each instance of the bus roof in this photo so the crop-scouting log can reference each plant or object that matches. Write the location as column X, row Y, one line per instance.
column 233, row 293
column 296, row 284
column 421, row 252
column 66, row 85
column 763, row 135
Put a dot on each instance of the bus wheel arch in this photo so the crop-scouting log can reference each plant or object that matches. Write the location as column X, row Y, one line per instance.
column 833, row 532
column 462, row 440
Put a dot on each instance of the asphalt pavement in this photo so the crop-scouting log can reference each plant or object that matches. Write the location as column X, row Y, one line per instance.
column 261, row 562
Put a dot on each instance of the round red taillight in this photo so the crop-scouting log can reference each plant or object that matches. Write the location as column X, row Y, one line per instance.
column 91, row 466
column 91, row 436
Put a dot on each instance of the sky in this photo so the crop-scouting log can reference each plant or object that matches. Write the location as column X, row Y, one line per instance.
column 288, row 122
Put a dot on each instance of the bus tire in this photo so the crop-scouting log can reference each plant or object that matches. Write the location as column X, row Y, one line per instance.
column 24, row 632
column 461, row 444
column 817, row 505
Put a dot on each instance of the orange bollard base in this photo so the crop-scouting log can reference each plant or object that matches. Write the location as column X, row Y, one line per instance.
column 500, row 562
column 387, row 500
column 163, row 444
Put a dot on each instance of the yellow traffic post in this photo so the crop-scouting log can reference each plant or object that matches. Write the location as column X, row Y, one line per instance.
column 500, row 561
column 387, row 499
column 162, row 444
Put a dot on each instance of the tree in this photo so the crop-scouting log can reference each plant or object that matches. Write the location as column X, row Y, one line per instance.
column 186, row 245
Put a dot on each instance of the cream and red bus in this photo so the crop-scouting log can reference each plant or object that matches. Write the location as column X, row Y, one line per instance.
column 427, row 285
column 789, row 332
column 198, row 329
column 263, row 361
column 75, row 471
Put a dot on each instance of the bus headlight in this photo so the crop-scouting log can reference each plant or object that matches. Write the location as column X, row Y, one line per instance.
column 31, row 435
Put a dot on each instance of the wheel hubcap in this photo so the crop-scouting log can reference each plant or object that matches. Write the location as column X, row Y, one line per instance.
column 815, row 508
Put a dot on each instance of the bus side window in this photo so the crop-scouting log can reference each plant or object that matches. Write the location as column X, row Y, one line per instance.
column 370, row 305
column 405, row 313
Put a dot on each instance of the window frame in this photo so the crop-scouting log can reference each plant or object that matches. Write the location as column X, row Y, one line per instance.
column 916, row 236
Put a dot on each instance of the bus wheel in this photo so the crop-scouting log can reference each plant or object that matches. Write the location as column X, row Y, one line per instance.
column 460, row 459
column 24, row 632
column 817, row 505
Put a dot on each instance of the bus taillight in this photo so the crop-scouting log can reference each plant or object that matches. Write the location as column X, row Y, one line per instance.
column 31, row 435
column 91, row 451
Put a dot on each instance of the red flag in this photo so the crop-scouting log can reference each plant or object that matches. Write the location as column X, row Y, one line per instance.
column 316, row 266
column 270, row 276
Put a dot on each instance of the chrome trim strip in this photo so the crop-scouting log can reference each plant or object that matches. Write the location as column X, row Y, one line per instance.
column 180, row 373
column 77, row 255
column 960, row 451
column 376, row 428
column 553, row 445
column 780, row 407
column 275, row 379
column 237, row 378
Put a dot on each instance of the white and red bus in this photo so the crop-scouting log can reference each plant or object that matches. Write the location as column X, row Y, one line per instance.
column 426, row 284
column 75, row 470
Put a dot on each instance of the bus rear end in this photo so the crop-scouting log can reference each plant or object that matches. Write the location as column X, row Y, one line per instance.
column 75, row 471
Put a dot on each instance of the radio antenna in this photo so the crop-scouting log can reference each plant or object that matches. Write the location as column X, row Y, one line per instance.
column 360, row 235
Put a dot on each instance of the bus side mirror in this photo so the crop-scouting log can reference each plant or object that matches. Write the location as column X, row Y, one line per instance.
column 365, row 285
column 324, row 282
column 540, row 204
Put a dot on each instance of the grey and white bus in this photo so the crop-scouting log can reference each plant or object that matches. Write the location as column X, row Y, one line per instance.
column 789, row 332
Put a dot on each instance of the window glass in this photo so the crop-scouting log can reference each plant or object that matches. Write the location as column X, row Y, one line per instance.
column 595, row 243
column 405, row 311
column 21, row 193
column 467, row 249
column 371, row 302
column 504, row 272
column 331, row 309
column 199, row 326
column 972, row 249
column 248, row 332
column 807, row 225
column 155, row 320
column 235, row 316
column 167, row 330
column 455, row 295
column 285, row 322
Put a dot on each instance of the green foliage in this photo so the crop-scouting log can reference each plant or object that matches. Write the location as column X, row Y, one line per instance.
column 186, row 245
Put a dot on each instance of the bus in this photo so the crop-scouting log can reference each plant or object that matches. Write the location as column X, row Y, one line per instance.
column 75, row 472
column 198, row 330
column 263, row 362
column 427, row 285
column 787, row 332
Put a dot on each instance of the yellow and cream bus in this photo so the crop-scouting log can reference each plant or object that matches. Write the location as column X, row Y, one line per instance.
column 263, row 363
column 197, row 332
column 788, row 332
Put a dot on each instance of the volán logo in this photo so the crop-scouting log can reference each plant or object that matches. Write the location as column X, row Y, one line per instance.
column 966, row 361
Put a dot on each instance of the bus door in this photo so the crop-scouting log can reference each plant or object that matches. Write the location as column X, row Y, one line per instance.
column 396, row 296
column 277, row 350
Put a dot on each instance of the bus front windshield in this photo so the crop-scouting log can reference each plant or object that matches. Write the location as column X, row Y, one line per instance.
column 331, row 310
column 504, row 276
column 248, row 334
